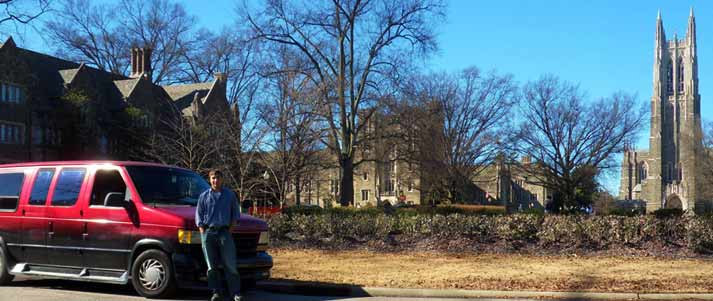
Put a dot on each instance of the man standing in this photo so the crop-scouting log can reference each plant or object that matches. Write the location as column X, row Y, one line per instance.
column 217, row 210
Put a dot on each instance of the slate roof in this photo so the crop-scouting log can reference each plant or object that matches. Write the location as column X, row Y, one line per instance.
column 177, row 92
column 54, row 73
column 45, row 67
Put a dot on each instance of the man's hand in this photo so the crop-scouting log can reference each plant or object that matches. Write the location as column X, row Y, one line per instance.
column 201, row 229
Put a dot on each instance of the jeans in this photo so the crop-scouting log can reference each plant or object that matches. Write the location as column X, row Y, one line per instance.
column 218, row 248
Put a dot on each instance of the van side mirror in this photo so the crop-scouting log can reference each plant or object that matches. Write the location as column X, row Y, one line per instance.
column 115, row 199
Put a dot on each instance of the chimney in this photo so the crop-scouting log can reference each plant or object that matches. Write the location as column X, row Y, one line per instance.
column 220, row 76
column 141, row 62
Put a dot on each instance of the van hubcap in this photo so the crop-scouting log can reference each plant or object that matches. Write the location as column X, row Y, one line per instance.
column 152, row 274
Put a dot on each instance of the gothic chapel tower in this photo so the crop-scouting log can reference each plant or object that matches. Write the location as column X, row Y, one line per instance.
column 669, row 169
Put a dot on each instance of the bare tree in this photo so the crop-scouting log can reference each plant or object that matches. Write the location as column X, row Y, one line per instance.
column 463, row 124
column 23, row 11
column 294, row 134
column 96, row 34
column 570, row 140
column 183, row 142
column 705, row 166
column 351, row 45
column 209, row 52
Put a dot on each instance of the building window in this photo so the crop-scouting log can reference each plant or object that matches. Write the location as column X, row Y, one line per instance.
column 334, row 186
column 643, row 171
column 12, row 133
column 680, row 75
column 410, row 185
column 36, row 135
column 11, row 93
column 365, row 195
column 669, row 79
column 366, row 176
column 389, row 186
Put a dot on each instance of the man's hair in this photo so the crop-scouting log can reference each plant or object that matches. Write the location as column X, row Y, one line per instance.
column 215, row 172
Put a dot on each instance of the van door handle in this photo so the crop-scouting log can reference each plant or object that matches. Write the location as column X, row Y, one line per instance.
column 85, row 233
column 51, row 230
column 23, row 211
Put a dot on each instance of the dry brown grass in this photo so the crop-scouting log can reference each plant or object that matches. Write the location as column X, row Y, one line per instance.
column 495, row 271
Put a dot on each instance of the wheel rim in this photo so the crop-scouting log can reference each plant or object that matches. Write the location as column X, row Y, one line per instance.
column 152, row 274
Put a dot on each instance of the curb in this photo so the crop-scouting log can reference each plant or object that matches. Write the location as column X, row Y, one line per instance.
column 319, row 289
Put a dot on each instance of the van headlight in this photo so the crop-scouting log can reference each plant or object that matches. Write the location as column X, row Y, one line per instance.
column 189, row 237
column 264, row 241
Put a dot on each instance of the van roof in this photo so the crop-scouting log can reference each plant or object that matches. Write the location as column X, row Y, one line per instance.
column 85, row 162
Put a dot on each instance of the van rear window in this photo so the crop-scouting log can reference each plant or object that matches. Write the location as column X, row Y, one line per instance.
column 10, row 188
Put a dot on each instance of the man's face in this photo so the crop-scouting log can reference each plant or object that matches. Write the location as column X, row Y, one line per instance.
column 216, row 182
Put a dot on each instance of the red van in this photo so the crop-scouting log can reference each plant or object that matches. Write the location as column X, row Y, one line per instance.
column 113, row 222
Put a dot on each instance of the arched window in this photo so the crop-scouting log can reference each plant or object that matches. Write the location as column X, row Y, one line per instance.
column 669, row 79
column 643, row 171
column 680, row 75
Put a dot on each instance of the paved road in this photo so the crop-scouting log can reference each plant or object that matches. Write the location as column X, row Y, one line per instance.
column 53, row 290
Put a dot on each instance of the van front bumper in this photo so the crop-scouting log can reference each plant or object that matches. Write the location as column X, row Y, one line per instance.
column 190, row 267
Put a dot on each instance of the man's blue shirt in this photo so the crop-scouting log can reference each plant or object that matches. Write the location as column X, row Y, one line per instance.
column 217, row 208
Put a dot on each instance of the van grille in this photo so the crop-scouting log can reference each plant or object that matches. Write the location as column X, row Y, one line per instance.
column 246, row 243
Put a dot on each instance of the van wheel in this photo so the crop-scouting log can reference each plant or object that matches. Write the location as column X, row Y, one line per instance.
column 152, row 275
column 5, row 277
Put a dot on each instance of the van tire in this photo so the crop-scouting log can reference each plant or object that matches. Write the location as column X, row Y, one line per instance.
column 5, row 276
column 152, row 275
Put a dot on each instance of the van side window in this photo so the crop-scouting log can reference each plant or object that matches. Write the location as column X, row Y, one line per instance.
column 66, row 191
column 105, row 182
column 10, row 190
column 41, row 186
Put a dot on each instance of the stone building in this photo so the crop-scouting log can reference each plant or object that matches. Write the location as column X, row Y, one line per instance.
column 393, row 172
column 666, row 175
column 54, row 109
column 386, row 179
column 509, row 184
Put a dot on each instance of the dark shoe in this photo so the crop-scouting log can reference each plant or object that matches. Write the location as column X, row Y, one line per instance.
column 216, row 297
column 237, row 298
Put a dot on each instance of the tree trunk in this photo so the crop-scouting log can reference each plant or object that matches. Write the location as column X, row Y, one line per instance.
column 346, row 195
column 298, row 190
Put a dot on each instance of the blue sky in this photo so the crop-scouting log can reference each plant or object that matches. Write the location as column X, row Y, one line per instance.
column 605, row 46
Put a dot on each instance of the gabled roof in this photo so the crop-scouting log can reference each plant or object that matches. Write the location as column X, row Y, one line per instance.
column 8, row 42
column 46, row 68
column 55, row 75
column 177, row 92
column 69, row 74
column 126, row 86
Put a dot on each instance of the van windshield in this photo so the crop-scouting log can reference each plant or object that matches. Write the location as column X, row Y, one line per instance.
column 167, row 186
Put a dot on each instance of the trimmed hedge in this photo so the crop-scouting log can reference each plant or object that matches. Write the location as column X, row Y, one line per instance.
column 410, row 210
column 553, row 233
